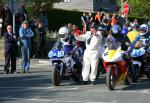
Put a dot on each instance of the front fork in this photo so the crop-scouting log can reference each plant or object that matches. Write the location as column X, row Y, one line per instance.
column 59, row 68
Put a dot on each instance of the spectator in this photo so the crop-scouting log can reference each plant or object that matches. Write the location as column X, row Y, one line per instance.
column 44, row 20
column 114, row 20
column 98, row 17
column 23, row 13
column 7, row 17
column 89, row 19
column 104, row 18
column 33, row 25
column 70, row 26
column 10, row 43
column 25, row 35
column 106, row 24
column 108, row 17
column 80, row 44
column 42, row 40
column 83, row 20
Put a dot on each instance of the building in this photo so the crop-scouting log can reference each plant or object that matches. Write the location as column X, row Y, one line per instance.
column 88, row 5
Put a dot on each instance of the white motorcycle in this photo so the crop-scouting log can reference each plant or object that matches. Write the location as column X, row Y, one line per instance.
column 137, row 55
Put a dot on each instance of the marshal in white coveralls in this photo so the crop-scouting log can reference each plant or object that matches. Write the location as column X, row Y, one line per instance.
column 91, row 54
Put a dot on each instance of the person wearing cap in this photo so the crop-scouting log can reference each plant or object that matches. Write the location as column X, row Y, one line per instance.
column 133, row 34
column 25, row 34
column 93, row 39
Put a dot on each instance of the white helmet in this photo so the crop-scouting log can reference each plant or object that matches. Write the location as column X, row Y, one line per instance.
column 143, row 29
column 63, row 30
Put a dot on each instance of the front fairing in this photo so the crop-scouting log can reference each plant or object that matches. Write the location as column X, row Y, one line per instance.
column 112, row 54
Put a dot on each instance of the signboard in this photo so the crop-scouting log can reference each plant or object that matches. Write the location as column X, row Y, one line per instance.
column 13, row 6
column 126, row 9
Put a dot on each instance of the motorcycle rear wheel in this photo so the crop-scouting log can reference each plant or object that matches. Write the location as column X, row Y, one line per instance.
column 147, row 75
column 76, row 72
column 110, row 79
column 135, row 74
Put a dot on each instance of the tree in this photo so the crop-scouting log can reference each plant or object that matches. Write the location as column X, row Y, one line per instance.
column 43, row 5
column 140, row 8
column 1, row 2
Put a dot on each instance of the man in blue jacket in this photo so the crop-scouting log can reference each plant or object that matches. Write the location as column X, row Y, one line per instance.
column 25, row 34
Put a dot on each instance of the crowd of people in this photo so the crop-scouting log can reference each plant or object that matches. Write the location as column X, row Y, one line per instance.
column 23, row 38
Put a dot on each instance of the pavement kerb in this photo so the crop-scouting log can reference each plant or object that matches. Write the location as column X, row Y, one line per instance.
column 33, row 61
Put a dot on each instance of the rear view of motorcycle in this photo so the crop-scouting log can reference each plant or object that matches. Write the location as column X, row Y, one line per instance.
column 137, row 55
column 140, row 63
column 65, row 66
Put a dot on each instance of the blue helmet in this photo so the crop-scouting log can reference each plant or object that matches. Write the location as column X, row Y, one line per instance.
column 102, row 28
column 124, row 31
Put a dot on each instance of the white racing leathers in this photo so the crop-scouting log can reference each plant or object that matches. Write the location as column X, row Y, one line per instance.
column 91, row 54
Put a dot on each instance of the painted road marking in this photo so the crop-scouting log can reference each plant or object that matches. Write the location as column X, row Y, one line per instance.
column 74, row 88
column 12, row 89
column 51, row 100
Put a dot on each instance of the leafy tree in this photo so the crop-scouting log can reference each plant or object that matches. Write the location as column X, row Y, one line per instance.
column 1, row 2
column 140, row 8
column 43, row 5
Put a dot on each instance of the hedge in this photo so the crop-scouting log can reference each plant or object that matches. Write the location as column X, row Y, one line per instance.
column 58, row 18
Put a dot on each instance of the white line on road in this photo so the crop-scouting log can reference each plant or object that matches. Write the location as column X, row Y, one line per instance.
column 50, row 100
column 12, row 89
column 123, row 91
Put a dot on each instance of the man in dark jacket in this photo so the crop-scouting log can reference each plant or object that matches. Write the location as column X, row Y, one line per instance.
column 10, row 50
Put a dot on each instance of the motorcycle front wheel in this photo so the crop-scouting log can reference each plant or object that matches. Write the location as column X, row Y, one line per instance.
column 55, row 76
column 110, row 79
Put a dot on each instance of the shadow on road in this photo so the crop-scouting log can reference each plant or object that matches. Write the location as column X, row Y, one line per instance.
column 142, row 84
column 23, row 86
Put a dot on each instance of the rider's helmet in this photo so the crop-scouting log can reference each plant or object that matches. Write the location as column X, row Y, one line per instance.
column 63, row 32
column 124, row 31
column 143, row 29
column 115, row 29
column 135, row 26
column 103, row 30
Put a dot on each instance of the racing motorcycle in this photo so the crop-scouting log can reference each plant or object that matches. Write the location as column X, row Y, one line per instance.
column 137, row 55
column 115, row 65
column 141, row 58
column 65, row 66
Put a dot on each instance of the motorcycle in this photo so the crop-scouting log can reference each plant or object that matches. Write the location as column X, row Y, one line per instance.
column 65, row 66
column 116, row 67
column 137, row 55
column 141, row 57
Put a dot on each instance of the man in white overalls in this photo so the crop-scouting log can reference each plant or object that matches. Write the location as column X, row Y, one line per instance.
column 93, row 40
